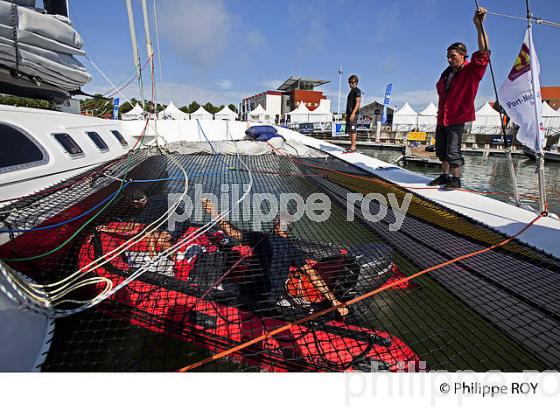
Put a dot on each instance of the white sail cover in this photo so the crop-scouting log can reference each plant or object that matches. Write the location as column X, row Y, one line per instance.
column 44, row 44
column 226, row 114
column 171, row 112
column 487, row 121
column 551, row 119
column 137, row 113
column 201, row 114
column 427, row 118
column 259, row 114
column 405, row 119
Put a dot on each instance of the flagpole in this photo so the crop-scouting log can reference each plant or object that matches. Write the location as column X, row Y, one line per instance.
column 540, row 154
column 507, row 145
column 339, row 91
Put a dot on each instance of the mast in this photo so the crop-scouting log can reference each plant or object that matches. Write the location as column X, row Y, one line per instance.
column 136, row 57
column 149, row 47
column 160, row 70
column 536, row 96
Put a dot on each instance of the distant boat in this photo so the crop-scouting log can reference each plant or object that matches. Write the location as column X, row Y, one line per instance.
column 551, row 155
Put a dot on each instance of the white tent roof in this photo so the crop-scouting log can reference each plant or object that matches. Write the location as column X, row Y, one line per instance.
column 259, row 114
column 225, row 113
column 405, row 110
column 322, row 113
column 548, row 111
column 430, row 110
column 171, row 111
column 487, row 121
column 259, row 110
column 324, row 107
column 300, row 109
column 135, row 113
column 427, row 118
column 487, row 111
column 201, row 114
column 551, row 119
column 405, row 119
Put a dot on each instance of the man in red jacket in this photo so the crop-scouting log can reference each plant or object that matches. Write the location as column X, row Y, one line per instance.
column 457, row 88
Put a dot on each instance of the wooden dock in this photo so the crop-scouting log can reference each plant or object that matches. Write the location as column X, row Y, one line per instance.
column 418, row 155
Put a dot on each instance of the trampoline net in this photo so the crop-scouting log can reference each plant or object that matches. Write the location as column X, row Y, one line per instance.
column 243, row 282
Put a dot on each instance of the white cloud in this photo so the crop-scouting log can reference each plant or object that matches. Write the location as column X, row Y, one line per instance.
column 224, row 84
column 198, row 29
column 418, row 99
column 255, row 39
column 184, row 94
column 272, row 84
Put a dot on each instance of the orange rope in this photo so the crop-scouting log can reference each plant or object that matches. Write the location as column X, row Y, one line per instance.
column 281, row 329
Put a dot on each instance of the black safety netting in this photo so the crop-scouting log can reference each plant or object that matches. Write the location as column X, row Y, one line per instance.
column 196, row 289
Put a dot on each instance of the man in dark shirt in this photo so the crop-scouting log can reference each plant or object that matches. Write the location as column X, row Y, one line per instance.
column 352, row 108
column 276, row 253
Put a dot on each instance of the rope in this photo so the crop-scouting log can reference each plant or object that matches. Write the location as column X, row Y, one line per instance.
column 367, row 295
column 536, row 20
column 68, row 221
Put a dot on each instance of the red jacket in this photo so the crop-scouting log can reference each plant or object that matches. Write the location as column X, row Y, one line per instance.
column 456, row 106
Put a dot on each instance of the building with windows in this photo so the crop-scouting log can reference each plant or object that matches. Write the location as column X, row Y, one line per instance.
column 374, row 111
column 286, row 98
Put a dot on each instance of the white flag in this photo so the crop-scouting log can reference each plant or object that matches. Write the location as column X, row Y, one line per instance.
column 516, row 96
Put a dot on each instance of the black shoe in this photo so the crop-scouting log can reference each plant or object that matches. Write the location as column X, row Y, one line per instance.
column 442, row 179
column 453, row 183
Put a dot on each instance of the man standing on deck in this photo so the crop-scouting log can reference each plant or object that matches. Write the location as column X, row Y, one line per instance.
column 352, row 108
column 457, row 88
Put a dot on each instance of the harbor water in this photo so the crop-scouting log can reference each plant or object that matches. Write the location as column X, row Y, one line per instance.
column 492, row 175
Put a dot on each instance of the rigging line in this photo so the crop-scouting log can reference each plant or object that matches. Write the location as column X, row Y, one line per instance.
column 267, row 335
column 105, row 77
column 128, row 80
column 536, row 20
column 158, row 46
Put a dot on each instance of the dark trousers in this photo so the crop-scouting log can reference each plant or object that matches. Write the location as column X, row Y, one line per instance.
column 448, row 144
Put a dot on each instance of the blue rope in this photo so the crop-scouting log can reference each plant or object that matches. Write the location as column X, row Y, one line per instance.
column 62, row 223
column 212, row 147
column 56, row 225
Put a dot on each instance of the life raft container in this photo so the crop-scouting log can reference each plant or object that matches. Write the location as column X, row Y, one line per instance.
column 170, row 305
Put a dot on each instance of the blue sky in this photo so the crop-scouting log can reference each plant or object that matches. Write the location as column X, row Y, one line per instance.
column 223, row 50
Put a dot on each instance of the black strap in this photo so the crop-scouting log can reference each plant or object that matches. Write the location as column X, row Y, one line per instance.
column 15, row 36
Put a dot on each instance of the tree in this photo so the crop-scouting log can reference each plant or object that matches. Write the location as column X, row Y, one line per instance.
column 97, row 106
column 192, row 107
column 210, row 108
column 233, row 107
column 26, row 102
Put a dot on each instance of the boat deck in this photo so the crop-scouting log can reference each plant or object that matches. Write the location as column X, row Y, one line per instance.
column 505, row 218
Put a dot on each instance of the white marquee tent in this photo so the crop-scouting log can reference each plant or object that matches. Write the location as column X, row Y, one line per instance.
column 225, row 114
column 259, row 114
column 551, row 119
column 405, row 119
column 137, row 113
column 427, row 118
column 300, row 114
column 201, row 114
column 171, row 112
column 487, row 121
column 322, row 113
